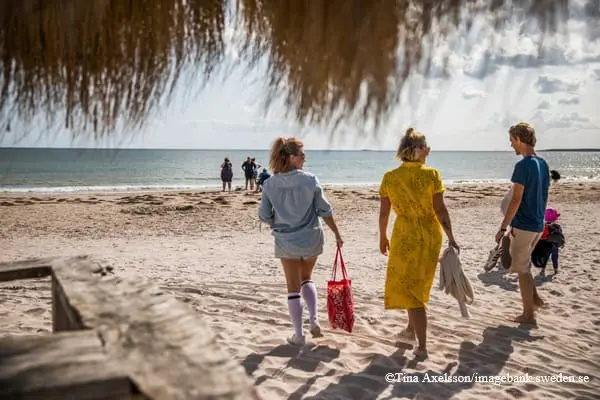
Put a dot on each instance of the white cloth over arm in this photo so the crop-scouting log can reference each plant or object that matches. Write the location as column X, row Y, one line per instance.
column 454, row 281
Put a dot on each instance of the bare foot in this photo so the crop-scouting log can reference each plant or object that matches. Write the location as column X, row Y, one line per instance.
column 407, row 334
column 522, row 319
column 538, row 303
column 543, row 272
column 421, row 353
column 555, row 271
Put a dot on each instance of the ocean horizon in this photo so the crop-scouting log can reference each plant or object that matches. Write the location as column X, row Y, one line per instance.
column 73, row 170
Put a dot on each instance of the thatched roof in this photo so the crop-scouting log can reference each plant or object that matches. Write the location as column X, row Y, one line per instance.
column 99, row 65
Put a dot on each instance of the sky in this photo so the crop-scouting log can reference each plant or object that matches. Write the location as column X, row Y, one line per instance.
column 488, row 86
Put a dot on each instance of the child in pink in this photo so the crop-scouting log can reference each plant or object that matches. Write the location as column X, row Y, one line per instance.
column 550, row 217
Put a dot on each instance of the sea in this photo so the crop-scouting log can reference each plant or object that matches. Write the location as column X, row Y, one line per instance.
column 72, row 170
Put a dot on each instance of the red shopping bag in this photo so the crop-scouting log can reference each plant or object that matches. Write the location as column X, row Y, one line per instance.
column 340, row 302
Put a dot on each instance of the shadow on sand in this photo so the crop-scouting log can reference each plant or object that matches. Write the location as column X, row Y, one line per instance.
column 474, row 360
column 501, row 278
column 303, row 358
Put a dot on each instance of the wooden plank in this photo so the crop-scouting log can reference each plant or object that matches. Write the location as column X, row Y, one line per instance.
column 64, row 317
column 58, row 366
column 25, row 269
column 165, row 347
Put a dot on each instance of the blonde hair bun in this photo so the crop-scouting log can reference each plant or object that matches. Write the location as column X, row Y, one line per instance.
column 409, row 131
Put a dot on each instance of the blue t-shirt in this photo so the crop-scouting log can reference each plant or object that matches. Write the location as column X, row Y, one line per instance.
column 532, row 172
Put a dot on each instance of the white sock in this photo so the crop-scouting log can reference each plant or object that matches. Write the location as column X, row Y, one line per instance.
column 295, row 308
column 309, row 292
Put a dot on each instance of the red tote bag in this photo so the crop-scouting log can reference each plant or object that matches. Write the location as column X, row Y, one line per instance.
column 340, row 302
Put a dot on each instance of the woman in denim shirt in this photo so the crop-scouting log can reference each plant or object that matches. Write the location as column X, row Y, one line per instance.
column 292, row 202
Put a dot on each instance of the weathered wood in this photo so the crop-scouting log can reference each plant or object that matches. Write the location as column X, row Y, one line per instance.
column 59, row 366
column 165, row 347
column 64, row 317
column 25, row 269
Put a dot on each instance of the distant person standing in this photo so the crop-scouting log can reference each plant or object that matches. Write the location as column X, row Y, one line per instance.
column 525, row 214
column 248, row 168
column 226, row 173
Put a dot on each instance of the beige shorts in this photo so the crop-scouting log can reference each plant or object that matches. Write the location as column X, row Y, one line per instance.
column 522, row 244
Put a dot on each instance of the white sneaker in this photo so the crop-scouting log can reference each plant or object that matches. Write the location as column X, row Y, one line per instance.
column 296, row 341
column 315, row 331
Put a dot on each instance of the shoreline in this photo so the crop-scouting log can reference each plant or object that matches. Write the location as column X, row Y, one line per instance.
column 97, row 190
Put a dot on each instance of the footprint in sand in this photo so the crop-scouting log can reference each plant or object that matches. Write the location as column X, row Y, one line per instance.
column 555, row 293
column 36, row 311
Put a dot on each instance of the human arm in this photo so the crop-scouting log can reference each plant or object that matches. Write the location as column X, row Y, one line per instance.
column 325, row 211
column 511, row 210
column 330, row 221
column 443, row 216
column 385, row 206
column 265, row 210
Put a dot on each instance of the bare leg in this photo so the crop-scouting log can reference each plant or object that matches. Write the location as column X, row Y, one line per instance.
column 419, row 320
column 409, row 331
column 229, row 185
column 528, row 295
column 223, row 185
column 292, row 269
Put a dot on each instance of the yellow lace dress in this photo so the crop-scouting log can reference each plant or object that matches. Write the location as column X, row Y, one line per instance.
column 416, row 238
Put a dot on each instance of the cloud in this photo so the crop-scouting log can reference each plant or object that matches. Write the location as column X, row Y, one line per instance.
column 544, row 105
column 470, row 93
column 549, row 84
column 597, row 74
column 573, row 120
column 569, row 100
column 481, row 50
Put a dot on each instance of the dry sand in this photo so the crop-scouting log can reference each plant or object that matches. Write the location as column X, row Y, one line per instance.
column 207, row 249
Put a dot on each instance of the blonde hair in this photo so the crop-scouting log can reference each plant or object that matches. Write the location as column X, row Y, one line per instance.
column 281, row 150
column 524, row 132
column 412, row 140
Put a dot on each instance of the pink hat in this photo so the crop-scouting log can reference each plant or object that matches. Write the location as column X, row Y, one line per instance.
column 551, row 214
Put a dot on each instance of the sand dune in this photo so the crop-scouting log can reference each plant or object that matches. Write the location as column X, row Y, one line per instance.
column 208, row 250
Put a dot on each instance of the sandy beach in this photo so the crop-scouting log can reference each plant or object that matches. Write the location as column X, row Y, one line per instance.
column 207, row 249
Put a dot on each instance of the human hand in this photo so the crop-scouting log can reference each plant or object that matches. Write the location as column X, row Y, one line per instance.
column 339, row 241
column 499, row 235
column 384, row 245
column 453, row 243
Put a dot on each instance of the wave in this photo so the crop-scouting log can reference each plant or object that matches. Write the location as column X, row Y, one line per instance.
column 103, row 189
column 217, row 184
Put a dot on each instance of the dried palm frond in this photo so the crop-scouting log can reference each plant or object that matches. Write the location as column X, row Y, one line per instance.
column 101, row 61
column 329, row 58
column 109, row 62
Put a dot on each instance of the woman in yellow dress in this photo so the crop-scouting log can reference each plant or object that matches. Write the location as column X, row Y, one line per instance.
column 416, row 193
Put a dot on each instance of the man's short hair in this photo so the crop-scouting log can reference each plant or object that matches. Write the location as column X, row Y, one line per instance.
column 524, row 132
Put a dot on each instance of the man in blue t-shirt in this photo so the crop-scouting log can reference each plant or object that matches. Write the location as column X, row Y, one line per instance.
column 525, row 214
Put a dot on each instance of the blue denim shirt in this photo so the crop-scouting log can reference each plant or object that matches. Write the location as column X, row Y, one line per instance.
column 291, row 204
